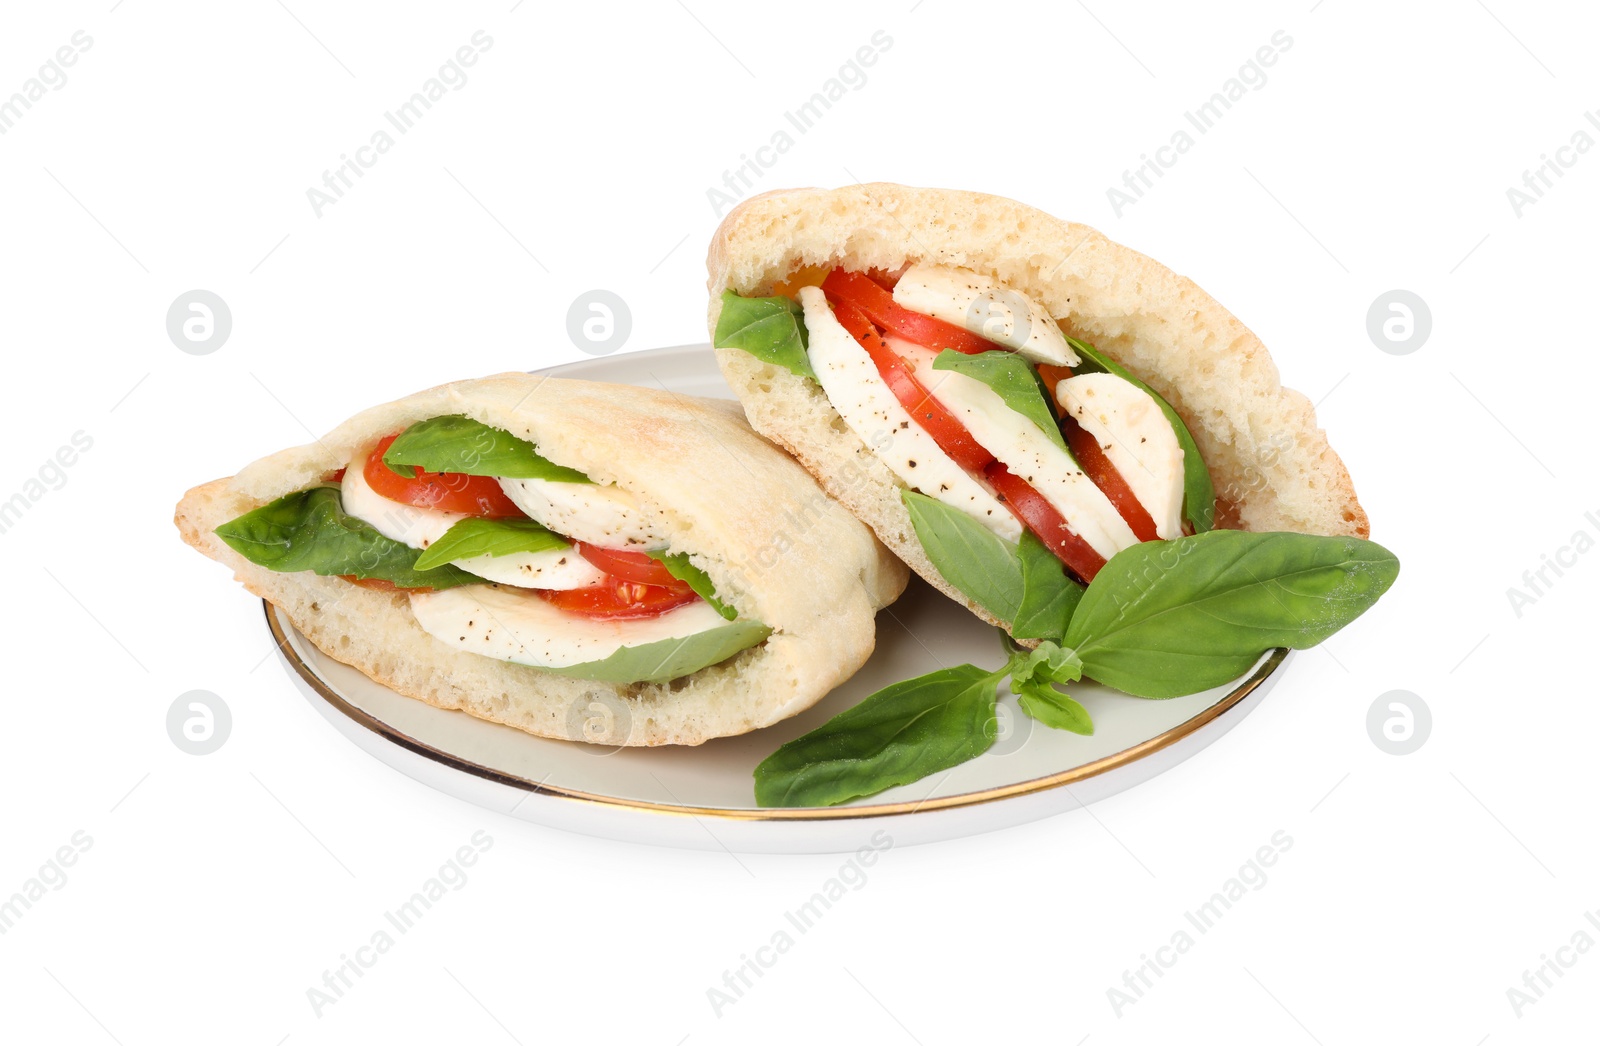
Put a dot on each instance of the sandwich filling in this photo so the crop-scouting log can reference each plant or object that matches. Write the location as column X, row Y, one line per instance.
column 974, row 396
column 504, row 554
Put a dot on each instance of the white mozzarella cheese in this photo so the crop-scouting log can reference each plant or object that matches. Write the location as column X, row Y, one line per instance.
column 860, row 395
column 597, row 513
column 1137, row 439
column 408, row 524
column 421, row 527
column 557, row 568
column 987, row 308
column 1026, row 451
column 512, row 625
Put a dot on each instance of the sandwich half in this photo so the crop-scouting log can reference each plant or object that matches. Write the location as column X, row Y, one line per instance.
column 968, row 374
column 600, row 563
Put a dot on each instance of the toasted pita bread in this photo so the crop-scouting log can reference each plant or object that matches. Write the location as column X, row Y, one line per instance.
column 774, row 544
column 1272, row 467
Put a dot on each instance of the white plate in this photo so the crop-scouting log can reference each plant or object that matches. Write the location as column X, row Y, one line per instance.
column 702, row 797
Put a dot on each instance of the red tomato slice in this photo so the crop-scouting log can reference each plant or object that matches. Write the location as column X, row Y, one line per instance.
column 1052, row 376
column 887, row 280
column 445, row 491
column 951, row 436
column 863, row 292
column 619, row 598
column 630, row 566
column 1039, row 516
column 1092, row 459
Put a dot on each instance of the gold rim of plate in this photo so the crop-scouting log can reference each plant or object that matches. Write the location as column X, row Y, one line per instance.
column 1099, row 766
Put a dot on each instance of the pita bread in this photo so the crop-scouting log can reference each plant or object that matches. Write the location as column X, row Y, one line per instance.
column 1272, row 467
column 774, row 544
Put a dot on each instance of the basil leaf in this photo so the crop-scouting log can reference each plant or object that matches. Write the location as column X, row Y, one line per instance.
column 900, row 734
column 1049, row 596
column 309, row 530
column 1199, row 496
column 1167, row 618
column 773, row 330
column 1013, row 378
column 475, row 536
column 968, row 555
column 1055, row 709
column 668, row 659
column 455, row 443
column 1046, row 663
column 678, row 566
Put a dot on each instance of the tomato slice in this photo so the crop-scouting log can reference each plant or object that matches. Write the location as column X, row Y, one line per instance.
column 1092, row 459
column 618, row 598
column 630, row 566
column 887, row 280
column 951, row 436
column 863, row 292
column 1052, row 376
column 1039, row 516
column 445, row 491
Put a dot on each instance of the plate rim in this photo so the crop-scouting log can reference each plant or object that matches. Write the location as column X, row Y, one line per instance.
column 1263, row 671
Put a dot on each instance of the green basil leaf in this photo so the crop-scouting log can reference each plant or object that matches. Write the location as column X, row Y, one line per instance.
column 773, row 330
column 309, row 530
column 678, row 566
column 968, row 555
column 1055, row 709
column 455, row 443
column 1013, row 378
column 1049, row 596
column 475, row 536
column 669, row 659
column 900, row 734
column 1199, row 496
column 1167, row 618
column 1046, row 663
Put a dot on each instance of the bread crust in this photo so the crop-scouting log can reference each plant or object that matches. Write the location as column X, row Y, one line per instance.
column 1271, row 464
column 774, row 544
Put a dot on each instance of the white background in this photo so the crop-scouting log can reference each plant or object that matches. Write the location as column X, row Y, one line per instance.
column 1377, row 155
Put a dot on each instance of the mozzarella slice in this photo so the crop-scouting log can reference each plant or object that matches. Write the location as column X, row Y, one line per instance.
column 1024, row 449
column 421, row 527
column 1137, row 439
column 408, row 524
column 987, row 308
column 512, row 625
column 556, row 569
column 597, row 513
column 860, row 395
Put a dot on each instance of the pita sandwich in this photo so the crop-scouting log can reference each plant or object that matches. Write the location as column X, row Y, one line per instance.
column 600, row 563
column 990, row 373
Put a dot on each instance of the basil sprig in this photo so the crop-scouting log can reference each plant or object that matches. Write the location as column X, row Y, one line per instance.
column 1013, row 378
column 1199, row 495
column 1161, row 619
column 1033, row 672
column 773, row 330
column 1021, row 584
column 310, row 530
column 908, row 730
column 678, row 565
column 456, row 443
column 476, row 536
